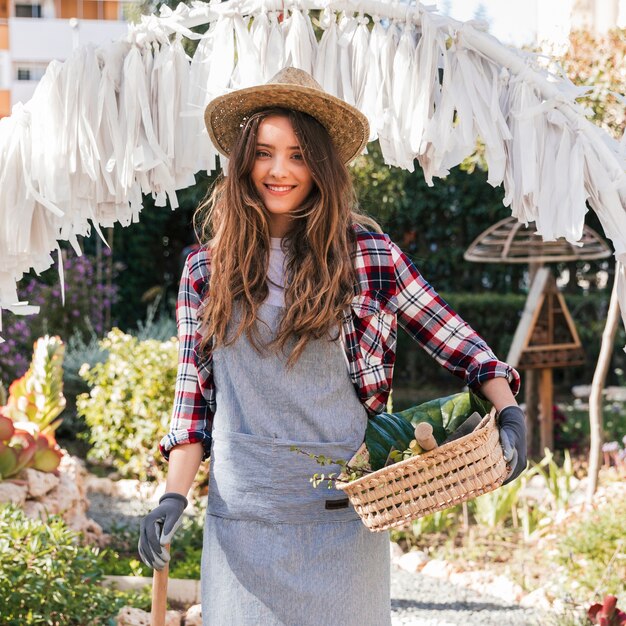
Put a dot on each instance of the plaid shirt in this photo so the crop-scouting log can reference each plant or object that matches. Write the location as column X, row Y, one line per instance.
column 390, row 290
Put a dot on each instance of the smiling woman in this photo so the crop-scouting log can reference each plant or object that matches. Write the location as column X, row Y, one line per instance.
column 287, row 319
column 280, row 173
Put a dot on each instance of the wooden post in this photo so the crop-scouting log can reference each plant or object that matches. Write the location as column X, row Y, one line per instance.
column 531, row 391
column 545, row 417
column 597, row 386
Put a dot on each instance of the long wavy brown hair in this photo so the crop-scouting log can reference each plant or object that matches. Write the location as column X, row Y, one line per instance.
column 319, row 246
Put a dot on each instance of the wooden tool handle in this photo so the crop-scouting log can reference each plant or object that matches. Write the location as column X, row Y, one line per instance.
column 424, row 436
column 159, row 595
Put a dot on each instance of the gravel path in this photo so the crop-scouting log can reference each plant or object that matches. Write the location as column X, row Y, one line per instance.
column 416, row 600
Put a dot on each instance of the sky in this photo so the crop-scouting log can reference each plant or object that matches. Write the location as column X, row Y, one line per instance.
column 518, row 22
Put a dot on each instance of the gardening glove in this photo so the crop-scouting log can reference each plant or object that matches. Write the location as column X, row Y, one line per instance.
column 513, row 440
column 157, row 529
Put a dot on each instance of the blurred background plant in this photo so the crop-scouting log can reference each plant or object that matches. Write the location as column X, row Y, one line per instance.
column 48, row 577
column 29, row 419
column 128, row 407
column 90, row 292
column 120, row 556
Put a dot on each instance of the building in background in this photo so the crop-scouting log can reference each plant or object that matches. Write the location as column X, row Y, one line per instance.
column 34, row 32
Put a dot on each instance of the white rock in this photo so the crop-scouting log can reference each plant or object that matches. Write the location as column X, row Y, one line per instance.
column 536, row 599
column 437, row 569
column 34, row 510
column 193, row 616
column 173, row 618
column 129, row 616
column 67, row 494
column 131, row 489
column 99, row 485
column 39, row 483
column 413, row 561
column 475, row 579
column 395, row 551
column 10, row 492
column 92, row 531
column 505, row 589
column 136, row 617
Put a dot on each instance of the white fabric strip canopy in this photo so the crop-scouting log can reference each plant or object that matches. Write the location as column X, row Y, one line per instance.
column 118, row 121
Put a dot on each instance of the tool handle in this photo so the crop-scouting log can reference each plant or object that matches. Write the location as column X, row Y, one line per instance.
column 159, row 595
column 424, row 436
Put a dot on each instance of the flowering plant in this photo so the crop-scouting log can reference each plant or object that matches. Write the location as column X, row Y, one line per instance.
column 89, row 294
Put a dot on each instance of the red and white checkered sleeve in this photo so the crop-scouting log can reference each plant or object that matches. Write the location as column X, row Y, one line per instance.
column 191, row 417
column 441, row 332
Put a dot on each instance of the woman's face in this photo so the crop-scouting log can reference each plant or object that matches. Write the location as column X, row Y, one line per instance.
column 280, row 175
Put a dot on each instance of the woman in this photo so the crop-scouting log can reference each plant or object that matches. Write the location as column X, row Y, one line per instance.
column 287, row 320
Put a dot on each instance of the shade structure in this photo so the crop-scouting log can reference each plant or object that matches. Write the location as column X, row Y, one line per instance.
column 510, row 241
column 118, row 121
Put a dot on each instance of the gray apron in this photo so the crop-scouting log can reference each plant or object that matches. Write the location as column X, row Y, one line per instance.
column 277, row 550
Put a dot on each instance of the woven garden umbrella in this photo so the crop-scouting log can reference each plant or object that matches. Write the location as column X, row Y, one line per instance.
column 546, row 336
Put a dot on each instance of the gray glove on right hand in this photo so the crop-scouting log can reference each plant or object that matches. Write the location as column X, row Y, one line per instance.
column 157, row 529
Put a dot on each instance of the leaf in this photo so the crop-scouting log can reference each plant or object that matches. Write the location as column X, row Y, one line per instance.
column 8, row 462
column 446, row 414
column 6, row 428
column 46, row 460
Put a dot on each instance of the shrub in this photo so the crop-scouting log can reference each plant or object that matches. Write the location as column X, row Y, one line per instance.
column 592, row 550
column 129, row 405
column 47, row 577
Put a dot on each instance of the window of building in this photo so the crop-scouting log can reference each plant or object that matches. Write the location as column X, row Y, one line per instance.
column 34, row 72
column 27, row 10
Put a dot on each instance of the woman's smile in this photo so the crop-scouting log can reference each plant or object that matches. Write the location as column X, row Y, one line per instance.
column 280, row 189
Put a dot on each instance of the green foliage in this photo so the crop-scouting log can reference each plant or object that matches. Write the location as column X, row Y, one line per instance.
column 558, row 480
column 598, row 62
column 573, row 431
column 152, row 251
column 494, row 508
column 384, row 432
column 435, row 225
column 37, row 397
column 591, row 548
column 442, row 522
column 47, row 577
column 129, row 405
column 120, row 558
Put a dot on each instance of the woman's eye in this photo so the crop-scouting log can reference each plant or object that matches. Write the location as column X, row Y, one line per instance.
column 298, row 156
column 262, row 153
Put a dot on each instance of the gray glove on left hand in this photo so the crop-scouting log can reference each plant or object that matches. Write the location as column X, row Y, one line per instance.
column 157, row 529
column 513, row 439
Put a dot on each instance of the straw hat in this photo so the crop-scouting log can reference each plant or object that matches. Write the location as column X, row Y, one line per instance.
column 291, row 88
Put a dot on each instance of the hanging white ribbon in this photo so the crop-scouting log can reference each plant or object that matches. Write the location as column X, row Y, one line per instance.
column 326, row 61
column 300, row 42
column 114, row 122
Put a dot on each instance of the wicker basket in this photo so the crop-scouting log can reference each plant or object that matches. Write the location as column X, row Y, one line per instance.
column 457, row 471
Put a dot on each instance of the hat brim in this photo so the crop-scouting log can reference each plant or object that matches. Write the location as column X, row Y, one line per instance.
column 346, row 125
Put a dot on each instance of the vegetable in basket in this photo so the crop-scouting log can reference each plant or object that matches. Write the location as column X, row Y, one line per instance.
column 392, row 437
column 389, row 432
